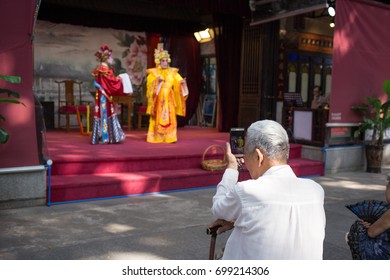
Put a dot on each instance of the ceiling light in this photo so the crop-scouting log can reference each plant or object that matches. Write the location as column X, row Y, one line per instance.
column 331, row 7
column 331, row 11
column 204, row 36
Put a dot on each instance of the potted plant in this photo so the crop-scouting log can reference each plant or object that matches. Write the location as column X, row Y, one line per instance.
column 376, row 119
column 12, row 97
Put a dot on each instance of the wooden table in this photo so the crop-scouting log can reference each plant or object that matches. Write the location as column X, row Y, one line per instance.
column 127, row 101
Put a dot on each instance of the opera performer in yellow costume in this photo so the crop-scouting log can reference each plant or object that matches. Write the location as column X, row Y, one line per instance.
column 167, row 93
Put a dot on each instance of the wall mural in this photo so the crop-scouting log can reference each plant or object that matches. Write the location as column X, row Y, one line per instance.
column 63, row 51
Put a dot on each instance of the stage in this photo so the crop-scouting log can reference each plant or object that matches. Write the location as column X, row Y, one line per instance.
column 81, row 171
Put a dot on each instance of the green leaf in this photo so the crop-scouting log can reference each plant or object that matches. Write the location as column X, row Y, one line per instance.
column 14, row 101
column 376, row 115
column 363, row 108
column 9, row 92
column 386, row 88
column 4, row 136
column 11, row 79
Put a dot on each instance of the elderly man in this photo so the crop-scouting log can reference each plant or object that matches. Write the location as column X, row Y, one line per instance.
column 275, row 215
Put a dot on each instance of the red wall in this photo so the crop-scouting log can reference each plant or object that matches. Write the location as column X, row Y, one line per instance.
column 361, row 56
column 16, row 59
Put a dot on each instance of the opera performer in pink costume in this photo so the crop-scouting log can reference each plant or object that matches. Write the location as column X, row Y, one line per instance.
column 106, row 128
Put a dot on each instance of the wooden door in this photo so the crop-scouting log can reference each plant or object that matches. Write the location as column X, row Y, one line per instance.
column 259, row 54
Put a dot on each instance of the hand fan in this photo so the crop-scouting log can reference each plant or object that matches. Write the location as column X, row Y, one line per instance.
column 369, row 210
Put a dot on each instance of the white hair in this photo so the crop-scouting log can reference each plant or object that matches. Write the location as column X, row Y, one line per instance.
column 270, row 137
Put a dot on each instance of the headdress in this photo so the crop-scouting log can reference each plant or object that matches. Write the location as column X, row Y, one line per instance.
column 103, row 53
column 160, row 54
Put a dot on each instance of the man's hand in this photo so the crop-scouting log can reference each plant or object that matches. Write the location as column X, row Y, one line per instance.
column 225, row 225
column 231, row 159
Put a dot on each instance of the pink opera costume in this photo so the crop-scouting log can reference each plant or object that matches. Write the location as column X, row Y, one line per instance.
column 106, row 128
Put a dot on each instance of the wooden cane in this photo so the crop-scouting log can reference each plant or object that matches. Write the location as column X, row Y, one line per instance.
column 213, row 232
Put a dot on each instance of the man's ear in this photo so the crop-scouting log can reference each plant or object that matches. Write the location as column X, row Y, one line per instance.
column 260, row 157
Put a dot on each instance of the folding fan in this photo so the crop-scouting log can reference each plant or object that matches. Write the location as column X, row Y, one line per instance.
column 369, row 210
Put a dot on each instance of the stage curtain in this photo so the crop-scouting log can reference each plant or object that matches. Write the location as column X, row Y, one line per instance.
column 152, row 40
column 228, row 30
column 361, row 56
column 185, row 55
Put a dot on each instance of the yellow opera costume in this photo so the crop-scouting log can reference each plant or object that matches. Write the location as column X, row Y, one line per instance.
column 166, row 94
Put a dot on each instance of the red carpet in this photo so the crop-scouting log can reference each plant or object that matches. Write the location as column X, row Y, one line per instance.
column 82, row 171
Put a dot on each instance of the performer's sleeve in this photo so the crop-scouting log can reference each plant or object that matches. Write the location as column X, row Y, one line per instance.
column 184, row 88
column 112, row 84
column 151, row 86
column 180, row 95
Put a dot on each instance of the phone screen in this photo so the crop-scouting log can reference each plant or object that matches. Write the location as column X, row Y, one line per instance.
column 237, row 141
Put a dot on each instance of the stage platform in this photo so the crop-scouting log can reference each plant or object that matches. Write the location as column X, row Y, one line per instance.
column 81, row 171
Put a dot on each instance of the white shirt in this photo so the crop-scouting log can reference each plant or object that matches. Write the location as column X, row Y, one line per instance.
column 278, row 216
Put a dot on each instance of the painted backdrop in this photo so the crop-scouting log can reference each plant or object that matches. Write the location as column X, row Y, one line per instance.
column 63, row 51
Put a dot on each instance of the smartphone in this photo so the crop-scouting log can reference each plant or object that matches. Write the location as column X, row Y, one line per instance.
column 237, row 141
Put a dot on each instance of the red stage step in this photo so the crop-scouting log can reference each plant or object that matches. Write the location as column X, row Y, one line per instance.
column 81, row 171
